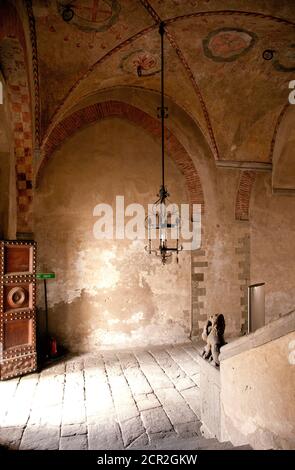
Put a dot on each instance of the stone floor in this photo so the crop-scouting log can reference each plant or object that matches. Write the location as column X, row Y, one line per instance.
column 111, row 400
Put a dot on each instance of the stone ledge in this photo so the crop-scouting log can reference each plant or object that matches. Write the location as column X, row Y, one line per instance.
column 270, row 332
column 234, row 164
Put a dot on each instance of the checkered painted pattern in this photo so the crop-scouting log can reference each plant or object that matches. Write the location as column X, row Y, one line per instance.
column 22, row 131
column 13, row 62
column 15, row 70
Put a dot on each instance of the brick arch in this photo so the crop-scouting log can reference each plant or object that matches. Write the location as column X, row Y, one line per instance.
column 93, row 113
column 276, row 129
column 247, row 179
column 15, row 70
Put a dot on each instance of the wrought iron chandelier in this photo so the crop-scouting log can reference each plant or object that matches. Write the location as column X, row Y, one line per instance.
column 160, row 221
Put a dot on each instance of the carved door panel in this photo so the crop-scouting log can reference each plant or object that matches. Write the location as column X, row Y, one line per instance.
column 17, row 308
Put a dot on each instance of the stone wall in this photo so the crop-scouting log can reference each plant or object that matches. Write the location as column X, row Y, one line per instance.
column 257, row 395
column 272, row 229
column 234, row 253
column 220, row 269
column 108, row 293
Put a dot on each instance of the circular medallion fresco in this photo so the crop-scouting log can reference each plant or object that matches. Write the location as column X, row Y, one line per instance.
column 285, row 59
column 227, row 44
column 92, row 15
column 148, row 62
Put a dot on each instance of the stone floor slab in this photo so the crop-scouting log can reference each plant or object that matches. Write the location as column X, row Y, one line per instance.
column 105, row 437
column 73, row 430
column 156, row 421
column 107, row 401
column 40, row 438
column 78, row 442
column 175, row 406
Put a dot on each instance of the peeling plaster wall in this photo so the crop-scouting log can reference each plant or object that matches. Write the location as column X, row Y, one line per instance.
column 220, row 269
column 272, row 247
column 258, row 396
column 109, row 293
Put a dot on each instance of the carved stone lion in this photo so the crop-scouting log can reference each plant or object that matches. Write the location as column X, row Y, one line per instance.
column 213, row 332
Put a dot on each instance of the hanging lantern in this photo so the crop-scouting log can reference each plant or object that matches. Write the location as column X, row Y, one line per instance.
column 164, row 217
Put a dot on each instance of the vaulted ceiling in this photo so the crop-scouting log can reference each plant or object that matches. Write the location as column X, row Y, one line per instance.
column 215, row 68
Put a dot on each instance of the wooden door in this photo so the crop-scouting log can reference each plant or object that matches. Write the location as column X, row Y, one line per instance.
column 17, row 308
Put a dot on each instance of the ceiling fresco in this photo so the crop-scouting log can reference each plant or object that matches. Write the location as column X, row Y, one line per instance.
column 92, row 16
column 227, row 44
column 215, row 68
column 148, row 62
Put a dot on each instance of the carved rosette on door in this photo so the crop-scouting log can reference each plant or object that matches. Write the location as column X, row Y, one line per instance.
column 17, row 308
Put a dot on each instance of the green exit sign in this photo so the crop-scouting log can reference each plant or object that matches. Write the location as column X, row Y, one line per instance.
column 45, row 275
